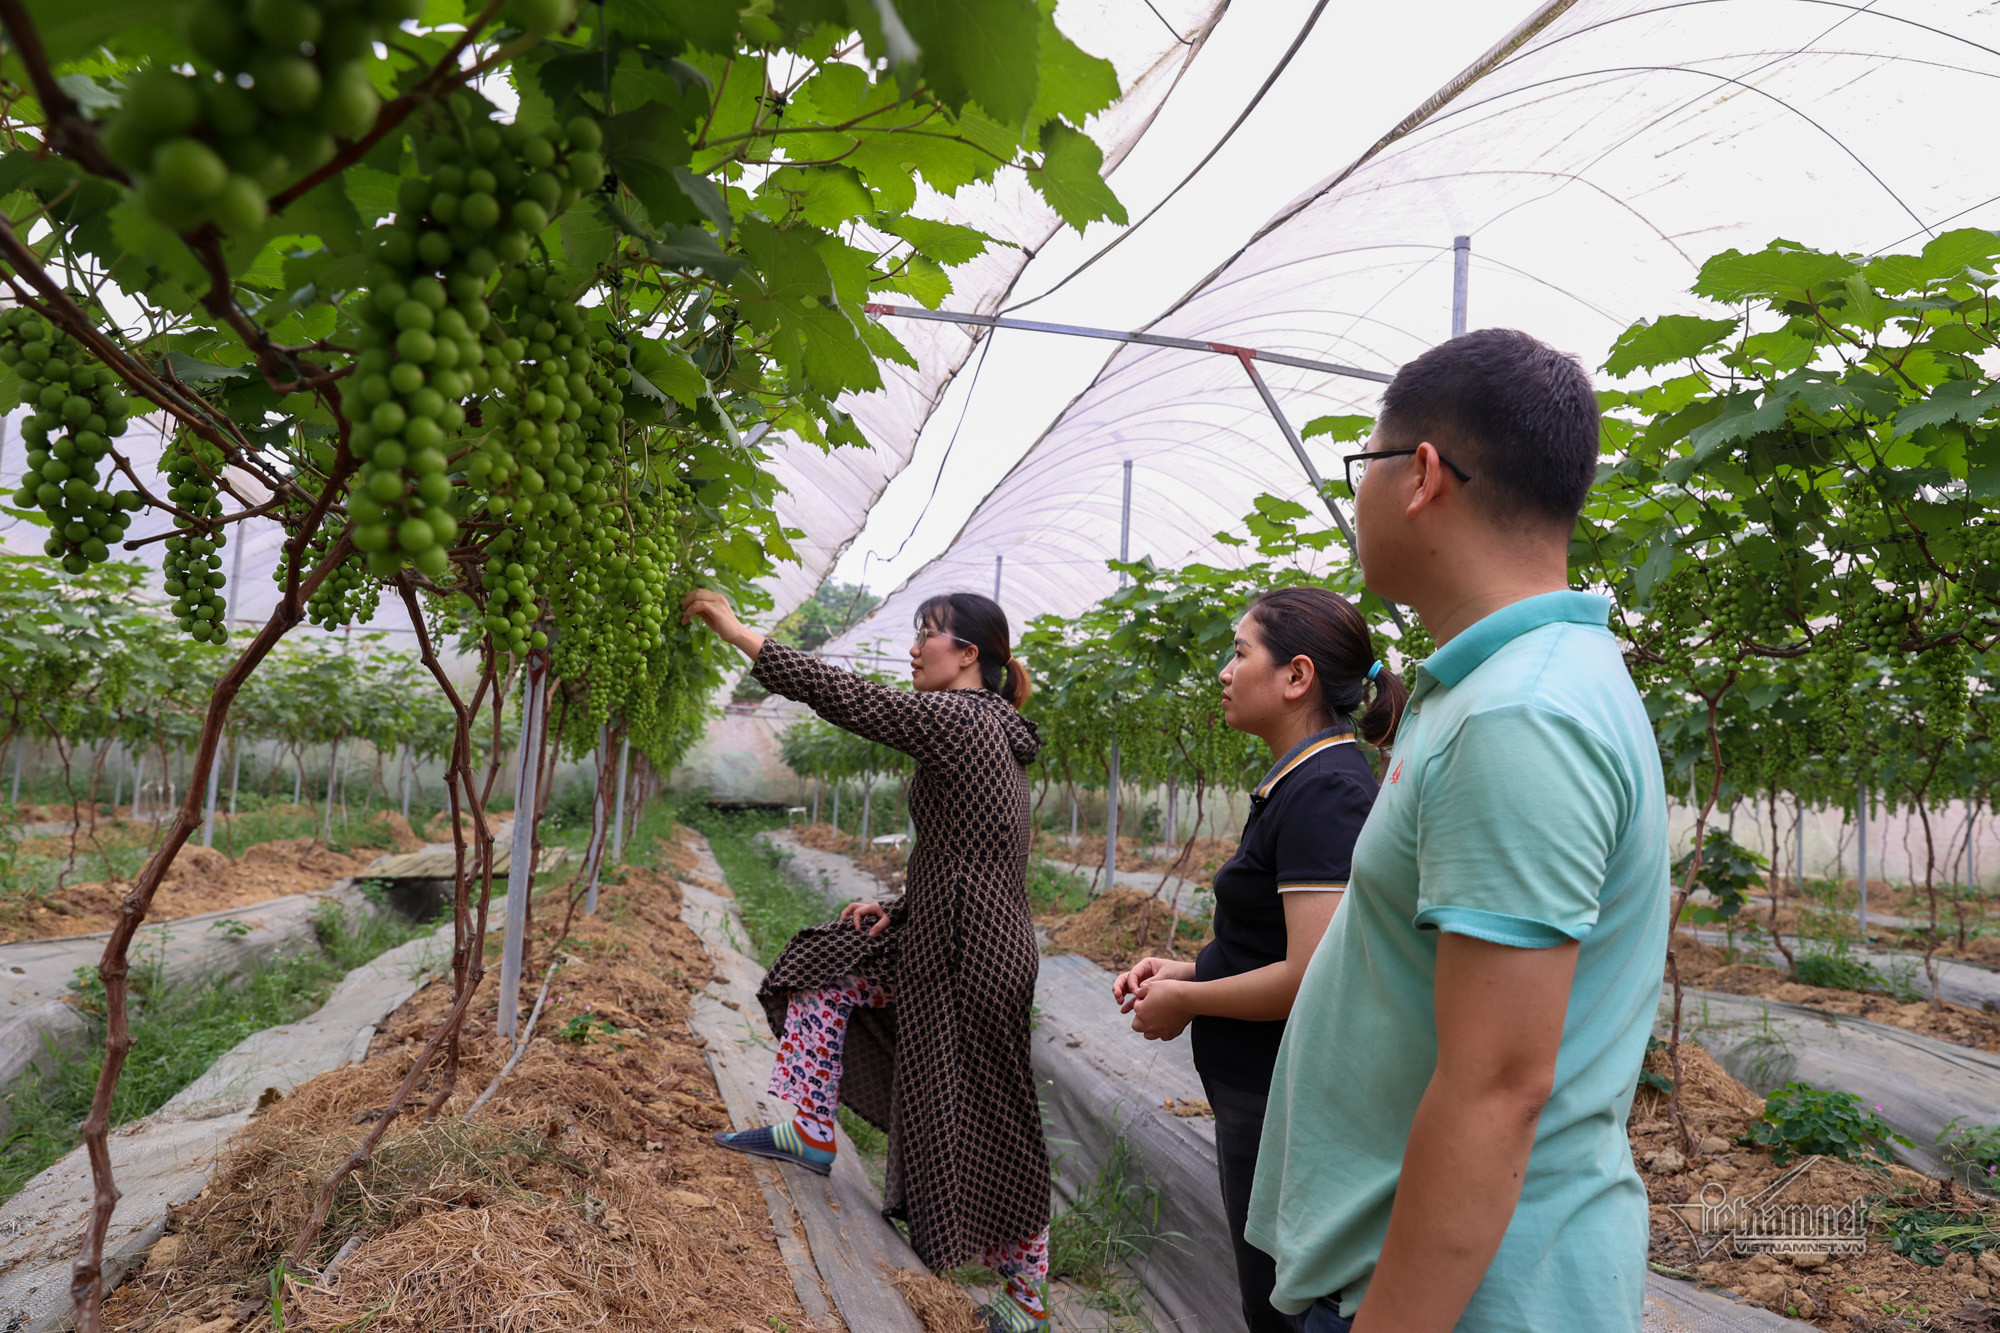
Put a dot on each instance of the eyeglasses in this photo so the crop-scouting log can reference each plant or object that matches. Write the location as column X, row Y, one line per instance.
column 925, row 634
column 1366, row 456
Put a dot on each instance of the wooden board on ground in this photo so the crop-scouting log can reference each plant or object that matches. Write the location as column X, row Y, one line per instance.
column 442, row 863
column 853, row 1248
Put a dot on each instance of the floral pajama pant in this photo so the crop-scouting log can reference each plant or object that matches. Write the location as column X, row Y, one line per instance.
column 807, row 1075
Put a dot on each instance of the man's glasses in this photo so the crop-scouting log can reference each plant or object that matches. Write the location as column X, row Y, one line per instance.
column 1355, row 475
column 925, row 634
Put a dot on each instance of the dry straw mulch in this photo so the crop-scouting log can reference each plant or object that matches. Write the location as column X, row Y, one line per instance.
column 1872, row 1292
column 1119, row 928
column 587, row 1194
column 941, row 1305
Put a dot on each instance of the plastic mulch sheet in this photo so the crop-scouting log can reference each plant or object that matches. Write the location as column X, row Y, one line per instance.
column 1920, row 1083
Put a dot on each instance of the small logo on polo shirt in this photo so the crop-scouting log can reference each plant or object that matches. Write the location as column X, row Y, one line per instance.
column 1396, row 776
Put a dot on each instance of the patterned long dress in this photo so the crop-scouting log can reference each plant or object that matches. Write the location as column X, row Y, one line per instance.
column 946, row 1071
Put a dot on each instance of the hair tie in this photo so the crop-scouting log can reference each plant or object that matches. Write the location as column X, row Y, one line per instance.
column 1375, row 670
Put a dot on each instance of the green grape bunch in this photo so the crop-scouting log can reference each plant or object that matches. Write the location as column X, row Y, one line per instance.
column 276, row 87
column 1946, row 670
column 1753, row 610
column 346, row 595
column 428, row 339
column 1880, row 620
column 193, row 562
column 1982, row 558
column 78, row 411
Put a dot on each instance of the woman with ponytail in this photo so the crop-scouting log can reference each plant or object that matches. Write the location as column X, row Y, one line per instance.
column 916, row 1014
column 1303, row 678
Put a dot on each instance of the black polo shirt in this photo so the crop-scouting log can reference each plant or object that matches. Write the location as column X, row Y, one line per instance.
column 1304, row 818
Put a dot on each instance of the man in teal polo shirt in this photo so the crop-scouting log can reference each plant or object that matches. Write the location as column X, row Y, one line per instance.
column 1445, row 1142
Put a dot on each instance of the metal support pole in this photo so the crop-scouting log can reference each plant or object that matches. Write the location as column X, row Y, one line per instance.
column 1312, row 473
column 1115, row 335
column 208, row 811
column 520, row 869
column 332, row 772
column 406, row 761
column 867, row 809
column 215, row 769
column 1861, row 853
column 1799, row 844
column 817, row 784
column 1111, row 787
column 138, row 783
column 599, row 816
column 235, row 772
column 998, row 560
column 117, row 779
column 618, row 831
column 1461, row 268
column 20, row 746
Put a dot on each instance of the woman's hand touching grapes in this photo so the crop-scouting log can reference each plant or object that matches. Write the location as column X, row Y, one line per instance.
column 863, row 914
column 714, row 609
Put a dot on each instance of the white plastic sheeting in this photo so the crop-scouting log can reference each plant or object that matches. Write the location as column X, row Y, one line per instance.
column 828, row 495
column 1595, row 159
column 1150, row 43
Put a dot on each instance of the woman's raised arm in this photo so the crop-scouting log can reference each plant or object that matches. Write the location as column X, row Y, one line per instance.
column 918, row 724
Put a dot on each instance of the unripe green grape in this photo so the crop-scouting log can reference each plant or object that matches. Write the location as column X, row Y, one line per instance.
column 538, row 18
column 218, row 35
column 287, row 84
column 164, row 102
column 289, row 24
column 241, row 208
column 350, row 104
column 190, row 169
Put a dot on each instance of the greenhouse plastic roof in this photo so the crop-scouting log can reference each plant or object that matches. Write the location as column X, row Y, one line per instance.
column 1150, row 43
column 1595, row 158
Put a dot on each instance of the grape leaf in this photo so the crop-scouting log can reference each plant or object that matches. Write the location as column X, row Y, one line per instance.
column 668, row 370
column 1783, row 269
column 1073, row 83
column 1954, row 400
column 983, row 51
column 70, row 29
column 588, row 237
column 946, row 242
column 1944, row 257
column 644, row 147
column 1070, row 178
column 1664, row 341
column 1339, row 429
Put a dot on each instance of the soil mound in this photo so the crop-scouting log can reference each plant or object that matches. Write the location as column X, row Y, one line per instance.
column 1123, row 926
column 402, row 837
column 1859, row 1293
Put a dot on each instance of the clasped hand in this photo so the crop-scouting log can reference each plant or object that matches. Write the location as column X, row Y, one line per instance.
column 862, row 914
column 1156, row 992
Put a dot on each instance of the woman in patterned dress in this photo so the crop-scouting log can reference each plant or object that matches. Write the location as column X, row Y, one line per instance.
column 916, row 1015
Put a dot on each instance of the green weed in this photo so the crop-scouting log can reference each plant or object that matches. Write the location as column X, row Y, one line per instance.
column 773, row 908
column 1800, row 1120
column 1107, row 1231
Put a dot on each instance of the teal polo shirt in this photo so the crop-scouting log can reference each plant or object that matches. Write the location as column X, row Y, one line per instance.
column 1524, row 805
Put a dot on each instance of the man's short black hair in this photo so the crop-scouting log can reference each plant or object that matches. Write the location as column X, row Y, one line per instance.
column 1514, row 412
